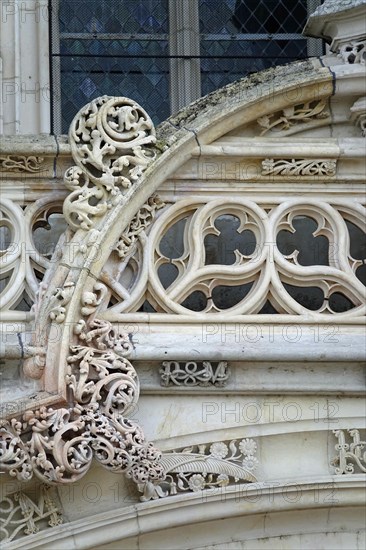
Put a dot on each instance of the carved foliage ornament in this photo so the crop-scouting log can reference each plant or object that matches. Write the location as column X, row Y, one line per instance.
column 351, row 456
column 21, row 163
column 22, row 515
column 193, row 373
column 205, row 466
column 58, row 445
column 353, row 52
column 138, row 225
column 301, row 167
column 292, row 116
column 111, row 141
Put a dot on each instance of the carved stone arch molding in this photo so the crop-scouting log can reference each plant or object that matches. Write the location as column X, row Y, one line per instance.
column 89, row 386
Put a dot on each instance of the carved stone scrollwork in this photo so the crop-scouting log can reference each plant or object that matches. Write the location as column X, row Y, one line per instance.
column 353, row 52
column 58, row 445
column 351, row 455
column 139, row 223
column 91, row 300
column 283, row 120
column 303, row 167
column 110, row 143
column 193, row 373
column 21, row 163
column 22, row 515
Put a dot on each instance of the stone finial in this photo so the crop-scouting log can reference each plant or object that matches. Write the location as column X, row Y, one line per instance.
column 339, row 23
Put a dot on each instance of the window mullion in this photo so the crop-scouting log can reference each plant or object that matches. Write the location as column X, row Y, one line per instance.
column 184, row 42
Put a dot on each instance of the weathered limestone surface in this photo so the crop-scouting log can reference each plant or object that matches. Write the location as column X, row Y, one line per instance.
column 269, row 450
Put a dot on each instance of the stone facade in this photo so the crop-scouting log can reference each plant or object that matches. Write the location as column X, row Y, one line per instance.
column 145, row 409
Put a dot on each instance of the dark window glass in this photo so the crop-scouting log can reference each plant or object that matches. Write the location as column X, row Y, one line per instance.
column 121, row 47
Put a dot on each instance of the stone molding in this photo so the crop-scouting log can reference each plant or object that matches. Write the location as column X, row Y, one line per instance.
column 25, row 515
column 342, row 24
column 239, row 502
column 87, row 370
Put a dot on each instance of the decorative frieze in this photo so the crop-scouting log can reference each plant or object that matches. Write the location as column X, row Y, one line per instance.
column 200, row 467
column 22, row 515
column 291, row 116
column 194, row 373
column 351, row 456
column 299, row 167
column 21, row 163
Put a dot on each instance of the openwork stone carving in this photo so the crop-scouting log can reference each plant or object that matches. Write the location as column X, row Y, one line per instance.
column 303, row 167
column 110, row 142
column 251, row 266
column 205, row 466
column 21, row 163
column 24, row 257
column 61, row 297
column 141, row 221
column 351, row 456
column 292, row 116
column 59, row 445
column 353, row 52
column 192, row 373
column 21, row 515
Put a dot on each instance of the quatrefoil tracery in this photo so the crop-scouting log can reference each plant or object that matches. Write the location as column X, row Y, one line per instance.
column 234, row 256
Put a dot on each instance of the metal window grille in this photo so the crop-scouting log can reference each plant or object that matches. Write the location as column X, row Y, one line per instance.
column 166, row 53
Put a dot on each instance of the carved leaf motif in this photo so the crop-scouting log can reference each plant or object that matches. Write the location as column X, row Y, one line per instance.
column 138, row 224
column 21, row 163
column 350, row 455
column 204, row 464
column 294, row 167
column 291, row 116
column 21, row 514
column 110, row 140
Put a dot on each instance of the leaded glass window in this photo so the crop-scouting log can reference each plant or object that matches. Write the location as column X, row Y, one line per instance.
column 166, row 53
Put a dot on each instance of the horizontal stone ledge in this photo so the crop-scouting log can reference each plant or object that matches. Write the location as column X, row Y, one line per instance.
column 248, row 378
column 35, row 144
column 52, row 146
column 152, row 320
column 284, row 148
column 250, row 344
